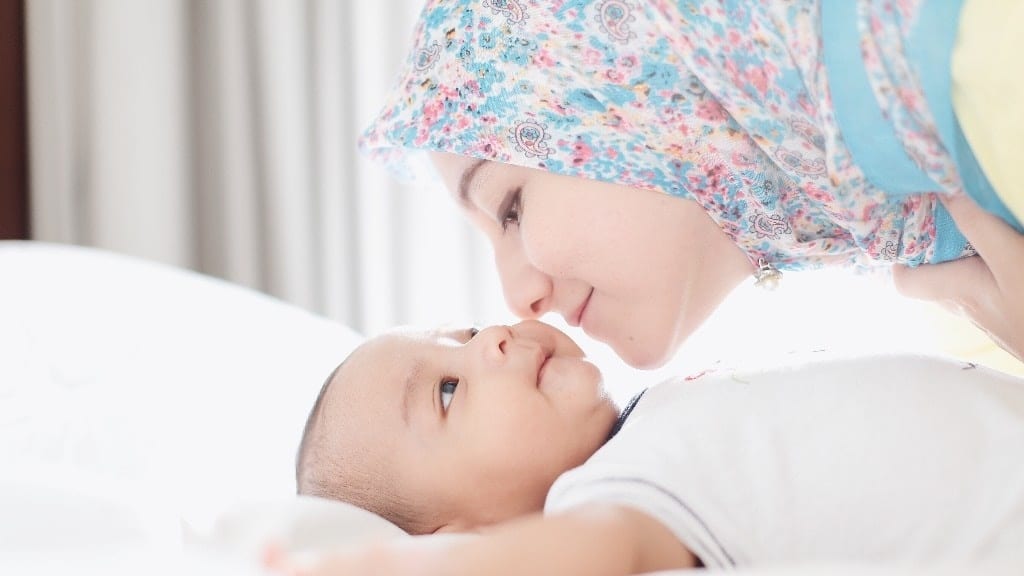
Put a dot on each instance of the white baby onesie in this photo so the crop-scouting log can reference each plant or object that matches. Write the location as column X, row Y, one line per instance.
column 884, row 459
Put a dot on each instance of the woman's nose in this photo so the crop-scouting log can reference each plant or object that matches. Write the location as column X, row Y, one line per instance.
column 493, row 343
column 527, row 290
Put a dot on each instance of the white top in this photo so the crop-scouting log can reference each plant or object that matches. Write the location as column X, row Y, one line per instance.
column 884, row 459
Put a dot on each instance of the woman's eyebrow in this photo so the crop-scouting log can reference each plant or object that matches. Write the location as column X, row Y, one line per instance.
column 467, row 180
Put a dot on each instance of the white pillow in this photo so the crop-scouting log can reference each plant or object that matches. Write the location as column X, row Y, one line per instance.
column 151, row 388
column 301, row 524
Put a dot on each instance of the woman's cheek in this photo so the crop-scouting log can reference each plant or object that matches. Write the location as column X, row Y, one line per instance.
column 550, row 243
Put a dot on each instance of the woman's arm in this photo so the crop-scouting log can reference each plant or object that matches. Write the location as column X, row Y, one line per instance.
column 592, row 541
column 988, row 288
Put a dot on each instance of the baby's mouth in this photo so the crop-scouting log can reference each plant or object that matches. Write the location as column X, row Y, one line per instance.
column 544, row 357
column 577, row 316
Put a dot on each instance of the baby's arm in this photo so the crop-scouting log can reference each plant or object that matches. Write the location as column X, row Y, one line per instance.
column 591, row 541
column 988, row 288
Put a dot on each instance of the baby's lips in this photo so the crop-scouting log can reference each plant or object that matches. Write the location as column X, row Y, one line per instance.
column 542, row 362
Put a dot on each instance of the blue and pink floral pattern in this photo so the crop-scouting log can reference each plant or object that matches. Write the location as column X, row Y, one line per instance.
column 723, row 102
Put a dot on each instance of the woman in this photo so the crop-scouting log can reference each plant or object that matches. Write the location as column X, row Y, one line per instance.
column 631, row 162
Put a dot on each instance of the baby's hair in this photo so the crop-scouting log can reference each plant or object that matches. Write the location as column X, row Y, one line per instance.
column 312, row 423
column 318, row 472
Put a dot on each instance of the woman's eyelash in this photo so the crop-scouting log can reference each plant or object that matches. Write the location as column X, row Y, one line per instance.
column 511, row 211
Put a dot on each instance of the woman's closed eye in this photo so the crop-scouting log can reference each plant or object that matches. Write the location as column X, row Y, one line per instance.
column 448, row 386
column 510, row 213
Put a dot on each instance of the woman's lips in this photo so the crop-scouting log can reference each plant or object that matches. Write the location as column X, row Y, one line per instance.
column 577, row 316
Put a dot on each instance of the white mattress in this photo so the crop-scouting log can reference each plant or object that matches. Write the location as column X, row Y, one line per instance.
column 135, row 395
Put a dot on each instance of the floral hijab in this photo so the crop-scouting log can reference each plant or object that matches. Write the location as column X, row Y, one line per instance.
column 723, row 102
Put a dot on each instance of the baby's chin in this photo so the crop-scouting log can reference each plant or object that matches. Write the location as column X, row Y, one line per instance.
column 610, row 411
column 579, row 384
column 571, row 375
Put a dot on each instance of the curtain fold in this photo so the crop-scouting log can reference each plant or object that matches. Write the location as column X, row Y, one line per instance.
column 220, row 135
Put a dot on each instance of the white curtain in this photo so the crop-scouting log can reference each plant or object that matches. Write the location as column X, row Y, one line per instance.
column 220, row 135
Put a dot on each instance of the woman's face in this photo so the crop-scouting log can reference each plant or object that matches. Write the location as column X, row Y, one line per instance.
column 636, row 269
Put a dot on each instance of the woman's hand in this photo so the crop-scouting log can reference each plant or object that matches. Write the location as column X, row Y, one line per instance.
column 987, row 288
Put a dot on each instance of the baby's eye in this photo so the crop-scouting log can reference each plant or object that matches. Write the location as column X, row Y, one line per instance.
column 473, row 332
column 448, row 386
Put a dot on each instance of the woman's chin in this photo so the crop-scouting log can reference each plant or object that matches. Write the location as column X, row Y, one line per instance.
column 643, row 357
column 645, row 343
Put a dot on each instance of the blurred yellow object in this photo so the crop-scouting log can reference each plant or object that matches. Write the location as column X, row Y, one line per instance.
column 988, row 92
column 958, row 337
column 988, row 95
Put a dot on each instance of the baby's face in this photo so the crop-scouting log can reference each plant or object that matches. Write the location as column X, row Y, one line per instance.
column 481, row 423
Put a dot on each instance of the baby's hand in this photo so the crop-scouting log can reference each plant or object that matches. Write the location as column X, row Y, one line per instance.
column 987, row 288
column 372, row 560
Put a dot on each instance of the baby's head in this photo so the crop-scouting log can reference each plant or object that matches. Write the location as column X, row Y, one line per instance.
column 454, row 429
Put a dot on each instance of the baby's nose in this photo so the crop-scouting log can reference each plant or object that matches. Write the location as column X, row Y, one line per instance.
column 493, row 341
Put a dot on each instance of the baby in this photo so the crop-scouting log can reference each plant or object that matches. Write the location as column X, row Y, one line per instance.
column 892, row 459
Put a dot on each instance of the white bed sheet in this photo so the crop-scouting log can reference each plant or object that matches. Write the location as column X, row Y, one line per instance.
column 152, row 394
